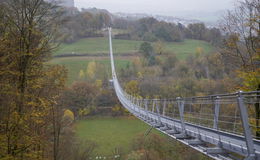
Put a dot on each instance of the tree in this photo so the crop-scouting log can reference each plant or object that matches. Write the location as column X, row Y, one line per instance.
column 242, row 45
column 96, row 70
column 29, row 89
column 197, row 30
column 91, row 70
column 159, row 47
column 213, row 36
column 79, row 97
column 81, row 74
column 149, row 36
column 132, row 88
column 146, row 49
column 54, row 81
column 169, row 63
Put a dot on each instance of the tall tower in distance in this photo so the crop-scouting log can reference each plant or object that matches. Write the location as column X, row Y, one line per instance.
column 64, row 3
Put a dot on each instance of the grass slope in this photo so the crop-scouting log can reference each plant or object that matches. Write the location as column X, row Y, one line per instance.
column 75, row 64
column 100, row 46
column 110, row 133
column 189, row 46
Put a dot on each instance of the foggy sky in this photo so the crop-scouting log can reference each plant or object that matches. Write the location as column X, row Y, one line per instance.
column 165, row 7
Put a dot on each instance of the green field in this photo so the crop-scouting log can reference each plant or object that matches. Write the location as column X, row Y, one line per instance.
column 110, row 133
column 98, row 46
column 183, row 49
column 75, row 64
column 93, row 46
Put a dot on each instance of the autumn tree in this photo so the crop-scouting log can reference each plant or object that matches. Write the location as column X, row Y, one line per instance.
column 132, row 88
column 169, row 63
column 148, row 53
column 29, row 88
column 159, row 47
column 79, row 97
column 197, row 30
column 242, row 46
column 91, row 70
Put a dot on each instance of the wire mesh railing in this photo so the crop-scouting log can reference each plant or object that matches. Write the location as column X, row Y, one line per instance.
column 218, row 112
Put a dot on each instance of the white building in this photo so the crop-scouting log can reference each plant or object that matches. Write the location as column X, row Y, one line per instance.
column 64, row 3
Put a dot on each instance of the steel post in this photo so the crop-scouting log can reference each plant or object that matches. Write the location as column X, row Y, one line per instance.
column 247, row 130
column 180, row 103
column 139, row 106
column 164, row 107
column 216, row 113
column 146, row 108
column 158, row 112
column 153, row 106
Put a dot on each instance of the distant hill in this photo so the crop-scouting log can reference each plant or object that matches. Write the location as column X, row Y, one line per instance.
column 170, row 19
column 209, row 18
column 96, row 11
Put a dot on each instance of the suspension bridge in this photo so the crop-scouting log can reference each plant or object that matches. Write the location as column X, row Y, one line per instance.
column 222, row 126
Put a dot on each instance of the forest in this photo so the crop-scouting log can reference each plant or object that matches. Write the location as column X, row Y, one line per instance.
column 43, row 98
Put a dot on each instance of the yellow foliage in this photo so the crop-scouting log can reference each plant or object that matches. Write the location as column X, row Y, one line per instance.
column 137, row 61
column 81, row 74
column 253, row 123
column 140, row 75
column 99, row 83
column 159, row 47
column 68, row 114
column 199, row 51
column 251, row 80
column 132, row 88
column 116, row 108
column 92, row 69
column 84, row 112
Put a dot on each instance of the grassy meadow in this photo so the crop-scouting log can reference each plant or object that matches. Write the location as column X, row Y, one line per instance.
column 110, row 133
column 99, row 45
column 188, row 47
column 94, row 46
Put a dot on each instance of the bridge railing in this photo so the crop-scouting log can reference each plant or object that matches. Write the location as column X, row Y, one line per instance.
column 235, row 114
column 219, row 112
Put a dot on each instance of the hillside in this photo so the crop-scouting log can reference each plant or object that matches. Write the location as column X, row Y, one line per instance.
column 99, row 46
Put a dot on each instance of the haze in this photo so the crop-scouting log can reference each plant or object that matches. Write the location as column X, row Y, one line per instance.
column 164, row 7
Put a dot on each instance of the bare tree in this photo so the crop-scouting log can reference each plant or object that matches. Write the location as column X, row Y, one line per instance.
column 242, row 26
column 242, row 46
